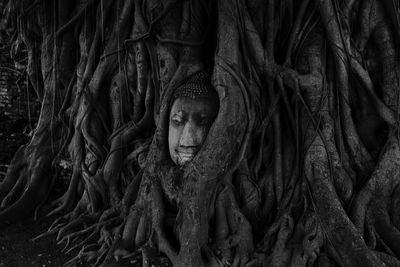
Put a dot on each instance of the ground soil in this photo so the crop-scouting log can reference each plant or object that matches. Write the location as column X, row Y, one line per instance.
column 18, row 249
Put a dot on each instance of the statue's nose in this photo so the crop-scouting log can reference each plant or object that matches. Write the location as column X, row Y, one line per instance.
column 188, row 137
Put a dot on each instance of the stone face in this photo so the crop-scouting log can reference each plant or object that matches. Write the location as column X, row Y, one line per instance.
column 190, row 121
column 193, row 111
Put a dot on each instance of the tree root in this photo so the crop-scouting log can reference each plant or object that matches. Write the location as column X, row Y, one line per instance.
column 376, row 196
column 27, row 182
column 92, row 234
column 199, row 214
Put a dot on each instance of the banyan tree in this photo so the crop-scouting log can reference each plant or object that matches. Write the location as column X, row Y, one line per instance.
column 297, row 163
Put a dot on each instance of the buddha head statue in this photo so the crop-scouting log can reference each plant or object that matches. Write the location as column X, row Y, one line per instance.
column 195, row 105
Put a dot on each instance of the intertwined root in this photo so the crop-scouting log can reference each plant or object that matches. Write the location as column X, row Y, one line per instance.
column 140, row 233
column 375, row 211
column 15, row 179
column 162, row 42
column 27, row 184
column 91, row 234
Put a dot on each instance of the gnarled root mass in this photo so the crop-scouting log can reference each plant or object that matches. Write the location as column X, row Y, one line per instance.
column 29, row 179
column 300, row 168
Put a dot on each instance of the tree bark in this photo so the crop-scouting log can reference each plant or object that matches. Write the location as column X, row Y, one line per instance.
column 300, row 167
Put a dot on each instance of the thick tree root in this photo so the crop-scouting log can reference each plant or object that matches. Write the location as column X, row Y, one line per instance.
column 373, row 205
column 214, row 210
column 27, row 183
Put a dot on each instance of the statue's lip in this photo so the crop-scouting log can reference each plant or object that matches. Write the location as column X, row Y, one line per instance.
column 187, row 151
column 185, row 156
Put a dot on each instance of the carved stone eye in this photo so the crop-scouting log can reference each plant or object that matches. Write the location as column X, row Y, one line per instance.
column 177, row 120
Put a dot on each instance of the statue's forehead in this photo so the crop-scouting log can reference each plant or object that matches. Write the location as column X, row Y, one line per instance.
column 193, row 106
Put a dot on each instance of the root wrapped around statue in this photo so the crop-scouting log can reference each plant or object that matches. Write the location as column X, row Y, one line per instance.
column 212, row 133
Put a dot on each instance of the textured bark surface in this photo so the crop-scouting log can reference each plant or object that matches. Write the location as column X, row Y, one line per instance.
column 300, row 168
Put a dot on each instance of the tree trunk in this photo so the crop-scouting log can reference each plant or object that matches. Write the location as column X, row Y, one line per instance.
column 300, row 167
